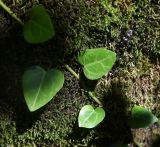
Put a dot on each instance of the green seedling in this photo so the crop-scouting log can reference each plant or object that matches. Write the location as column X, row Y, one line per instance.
column 90, row 117
column 40, row 86
column 141, row 118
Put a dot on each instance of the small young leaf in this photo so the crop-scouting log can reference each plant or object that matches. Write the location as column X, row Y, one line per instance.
column 40, row 86
column 39, row 27
column 89, row 118
column 141, row 118
column 96, row 62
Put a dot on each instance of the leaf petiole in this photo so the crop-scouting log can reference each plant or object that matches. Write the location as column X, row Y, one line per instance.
column 8, row 10
column 72, row 71
column 77, row 76
column 95, row 98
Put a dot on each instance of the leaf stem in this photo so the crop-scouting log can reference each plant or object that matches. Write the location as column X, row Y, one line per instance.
column 137, row 143
column 89, row 92
column 72, row 71
column 8, row 10
column 95, row 98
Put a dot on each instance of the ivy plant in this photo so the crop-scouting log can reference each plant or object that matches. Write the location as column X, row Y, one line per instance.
column 96, row 62
column 141, row 117
column 40, row 86
column 39, row 27
column 90, row 117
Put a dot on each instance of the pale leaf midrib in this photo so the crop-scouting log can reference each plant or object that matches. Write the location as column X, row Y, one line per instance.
column 88, row 117
column 95, row 62
column 42, row 79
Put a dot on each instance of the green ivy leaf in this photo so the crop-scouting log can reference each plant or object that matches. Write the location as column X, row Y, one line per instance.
column 89, row 118
column 141, row 118
column 40, row 86
column 96, row 62
column 39, row 27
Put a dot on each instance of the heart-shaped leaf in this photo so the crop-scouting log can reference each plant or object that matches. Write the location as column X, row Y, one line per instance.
column 39, row 27
column 141, row 118
column 89, row 118
column 40, row 86
column 96, row 62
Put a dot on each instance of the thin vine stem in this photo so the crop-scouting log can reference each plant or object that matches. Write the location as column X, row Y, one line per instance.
column 72, row 71
column 8, row 10
column 77, row 76
column 95, row 98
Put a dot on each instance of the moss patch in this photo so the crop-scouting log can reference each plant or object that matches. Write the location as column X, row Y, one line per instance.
column 79, row 25
column 136, row 83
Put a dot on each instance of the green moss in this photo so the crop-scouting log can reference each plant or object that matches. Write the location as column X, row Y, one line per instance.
column 141, row 80
column 137, row 83
column 79, row 25
column 54, row 125
column 146, row 27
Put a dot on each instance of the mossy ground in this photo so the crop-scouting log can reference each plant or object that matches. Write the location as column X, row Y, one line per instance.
column 135, row 78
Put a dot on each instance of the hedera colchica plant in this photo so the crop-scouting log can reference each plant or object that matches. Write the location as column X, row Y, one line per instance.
column 141, row 117
column 96, row 62
column 39, row 27
column 40, row 86
column 90, row 117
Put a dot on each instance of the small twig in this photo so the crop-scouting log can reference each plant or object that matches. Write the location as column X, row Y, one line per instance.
column 8, row 10
column 89, row 92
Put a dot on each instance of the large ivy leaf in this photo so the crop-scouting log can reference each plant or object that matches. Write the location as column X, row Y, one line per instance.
column 89, row 118
column 141, row 118
column 40, row 86
column 96, row 62
column 39, row 27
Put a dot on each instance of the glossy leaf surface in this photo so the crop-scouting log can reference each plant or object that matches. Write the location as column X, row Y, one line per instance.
column 96, row 62
column 90, row 117
column 39, row 27
column 40, row 86
column 141, row 118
